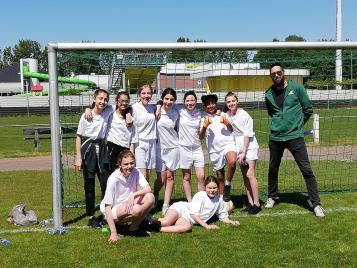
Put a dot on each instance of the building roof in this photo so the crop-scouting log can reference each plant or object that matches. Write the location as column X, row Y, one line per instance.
column 10, row 74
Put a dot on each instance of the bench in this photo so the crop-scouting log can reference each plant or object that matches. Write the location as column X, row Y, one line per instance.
column 38, row 133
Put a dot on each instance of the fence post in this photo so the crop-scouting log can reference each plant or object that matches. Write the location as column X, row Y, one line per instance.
column 316, row 128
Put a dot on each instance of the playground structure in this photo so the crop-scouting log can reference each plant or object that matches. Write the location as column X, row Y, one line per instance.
column 30, row 80
column 130, row 70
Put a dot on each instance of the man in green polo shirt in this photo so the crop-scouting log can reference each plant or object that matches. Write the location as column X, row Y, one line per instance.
column 289, row 107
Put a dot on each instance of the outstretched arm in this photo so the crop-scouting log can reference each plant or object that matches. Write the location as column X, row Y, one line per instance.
column 202, row 223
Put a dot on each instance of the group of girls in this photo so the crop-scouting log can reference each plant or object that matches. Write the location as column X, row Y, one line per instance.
column 166, row 136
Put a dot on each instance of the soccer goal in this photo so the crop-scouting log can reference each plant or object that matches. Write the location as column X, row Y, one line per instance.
column 243, row 68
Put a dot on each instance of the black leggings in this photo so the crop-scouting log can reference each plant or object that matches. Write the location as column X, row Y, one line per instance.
column 113, row 152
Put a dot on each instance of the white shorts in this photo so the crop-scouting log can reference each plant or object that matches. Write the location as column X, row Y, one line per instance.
column 114, row 211
column 167, row 159
column 253, row 147
column 181, row 208
column 191, row 157
column 145, row 154
column 218, row 159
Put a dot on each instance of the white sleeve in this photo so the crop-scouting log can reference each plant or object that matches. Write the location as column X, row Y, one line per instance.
column 134, row 135
column 196, row 204
column 81, row 126
column 248, row 126
column 142, row 181
column 109, row 192
column 221, row 212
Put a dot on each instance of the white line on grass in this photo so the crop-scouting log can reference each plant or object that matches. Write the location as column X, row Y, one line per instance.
column 273, row 214
column 297, row 212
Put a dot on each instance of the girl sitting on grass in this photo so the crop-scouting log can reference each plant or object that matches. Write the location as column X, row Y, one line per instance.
column 181, row 216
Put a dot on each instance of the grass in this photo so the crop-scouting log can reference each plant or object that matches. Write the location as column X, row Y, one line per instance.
column 296, row 239
column 337, row 127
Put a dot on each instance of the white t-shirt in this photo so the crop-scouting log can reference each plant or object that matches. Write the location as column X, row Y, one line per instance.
column 120, row 188
column 242, row 124
column 119, row 133
column 145, row 121
column 168, row 136
column 218, row 137
column 205, row 207
column 189, row 126
column 97, row 128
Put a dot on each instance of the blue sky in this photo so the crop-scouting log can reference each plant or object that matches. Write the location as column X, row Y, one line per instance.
column 165, row 21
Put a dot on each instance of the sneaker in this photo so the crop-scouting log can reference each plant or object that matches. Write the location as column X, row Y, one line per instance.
column 270, row 203
column 151, row 226
column 165, row 207
column 247, row 208
column 319, row 212
column 227, row 193
column 254, row 210
column 94, row 223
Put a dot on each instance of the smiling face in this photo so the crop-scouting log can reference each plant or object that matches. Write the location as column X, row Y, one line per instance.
column 168, row 101
column 232, row 103
column 127, row 165
column 211, row 189
column 190, row 102
column 211, row 106
column 145, row 95
column 123, row 103
column 100, row 101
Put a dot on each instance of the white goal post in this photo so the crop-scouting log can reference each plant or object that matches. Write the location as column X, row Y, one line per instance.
column 53, row 48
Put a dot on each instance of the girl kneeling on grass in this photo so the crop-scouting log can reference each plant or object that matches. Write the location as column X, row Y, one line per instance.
column 181, row 216
column 123, row 201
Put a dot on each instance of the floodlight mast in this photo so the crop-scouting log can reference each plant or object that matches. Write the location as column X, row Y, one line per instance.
column 338, row 66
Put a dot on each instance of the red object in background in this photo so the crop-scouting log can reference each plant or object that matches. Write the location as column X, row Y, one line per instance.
column 36, row 88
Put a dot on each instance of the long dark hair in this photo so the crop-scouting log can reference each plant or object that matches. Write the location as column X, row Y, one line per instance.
column 96, row 93
column 210, row 179
column 170, row 91
column 121, row 93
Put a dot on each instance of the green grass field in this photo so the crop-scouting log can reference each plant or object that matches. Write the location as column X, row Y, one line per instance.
column 289, row 235
column 337, row 127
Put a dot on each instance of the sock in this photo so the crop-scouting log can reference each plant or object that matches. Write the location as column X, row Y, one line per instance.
column 227, row 183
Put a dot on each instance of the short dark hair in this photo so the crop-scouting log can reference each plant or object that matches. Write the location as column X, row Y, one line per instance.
column 206, row 98
column 276, row 64
column 189, row 93
column 170, row 91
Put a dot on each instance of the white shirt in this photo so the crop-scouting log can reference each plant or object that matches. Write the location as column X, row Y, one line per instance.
column 242, row 124
column 119, row 133
column 119, row 188
column 205, row 207
column 189, row 126
column 145, row 121
column 168, row 136
column 97, row 128
column 218, row 137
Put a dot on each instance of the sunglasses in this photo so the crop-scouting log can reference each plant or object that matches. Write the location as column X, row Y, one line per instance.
column 278, row 73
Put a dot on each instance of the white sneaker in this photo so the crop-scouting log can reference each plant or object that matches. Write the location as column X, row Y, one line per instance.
column 319, row 212
column 165, row 207
column 270, row 203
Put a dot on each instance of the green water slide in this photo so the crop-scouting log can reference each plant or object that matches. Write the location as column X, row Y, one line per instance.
column 69, row 80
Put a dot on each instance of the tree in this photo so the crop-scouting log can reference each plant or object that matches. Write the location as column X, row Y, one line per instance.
column 7, row 57
column 26, row 49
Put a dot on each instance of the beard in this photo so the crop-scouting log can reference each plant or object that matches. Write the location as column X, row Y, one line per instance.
column 279, row 83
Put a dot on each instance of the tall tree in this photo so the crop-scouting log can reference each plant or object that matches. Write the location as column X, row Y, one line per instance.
column 26, row 49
